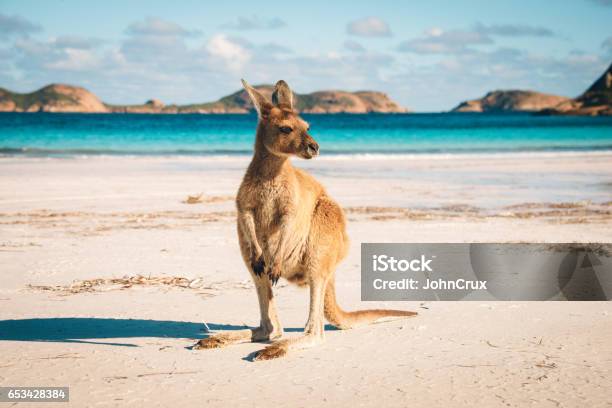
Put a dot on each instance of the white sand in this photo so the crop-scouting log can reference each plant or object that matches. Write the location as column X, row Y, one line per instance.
column 76, row 219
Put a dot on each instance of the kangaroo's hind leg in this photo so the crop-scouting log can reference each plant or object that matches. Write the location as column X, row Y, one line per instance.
column 269, row 326
column 326, row 247
column 313, row 332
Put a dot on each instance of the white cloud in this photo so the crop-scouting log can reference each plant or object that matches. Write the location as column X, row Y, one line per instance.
column 75, row 42
column 76, row 60
column 434, row 32
column 156, row 41
column 255, row 23
column 353, row 46
column 513, row 30
column 437, row 41
column 230, row 50
column 153, row 26
column 153, row 49
column 369, row 27
column 56, row 54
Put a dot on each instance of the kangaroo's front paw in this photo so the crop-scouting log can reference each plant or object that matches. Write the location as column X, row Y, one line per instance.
column 274, row 273
column 274, row 350
column 209, row 343
column 258, row 266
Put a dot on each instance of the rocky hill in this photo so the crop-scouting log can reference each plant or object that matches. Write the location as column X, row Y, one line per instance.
column 67, row 98
column 597, row 100
column 511, row 101
column 51, row 98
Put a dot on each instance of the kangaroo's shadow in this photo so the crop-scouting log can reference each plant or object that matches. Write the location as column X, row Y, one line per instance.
column 84, row 330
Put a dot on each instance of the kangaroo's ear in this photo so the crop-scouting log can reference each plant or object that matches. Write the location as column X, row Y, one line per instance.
column 282, row 95
column 262, row 106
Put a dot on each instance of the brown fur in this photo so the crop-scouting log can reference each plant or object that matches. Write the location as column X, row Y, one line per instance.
column 289, row 227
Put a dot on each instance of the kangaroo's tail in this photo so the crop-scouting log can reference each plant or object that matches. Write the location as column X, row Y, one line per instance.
column 346, row 320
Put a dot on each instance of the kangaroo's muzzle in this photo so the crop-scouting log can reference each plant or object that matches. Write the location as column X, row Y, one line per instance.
column 312, row 150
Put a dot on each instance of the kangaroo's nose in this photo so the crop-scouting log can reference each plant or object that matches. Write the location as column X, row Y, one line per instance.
column 313, row 148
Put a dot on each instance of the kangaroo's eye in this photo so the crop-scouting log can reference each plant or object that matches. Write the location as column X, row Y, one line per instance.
column 286, row 129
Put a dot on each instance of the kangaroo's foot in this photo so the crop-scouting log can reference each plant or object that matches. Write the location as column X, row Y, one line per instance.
column 282, row 347
column 237, row 337
column 274, row 350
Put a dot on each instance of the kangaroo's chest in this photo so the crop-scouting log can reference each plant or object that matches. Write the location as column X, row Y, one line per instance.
column 271, row 203
column 286, row 201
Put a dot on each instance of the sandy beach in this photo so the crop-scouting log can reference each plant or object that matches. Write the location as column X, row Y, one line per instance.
column 109, row 275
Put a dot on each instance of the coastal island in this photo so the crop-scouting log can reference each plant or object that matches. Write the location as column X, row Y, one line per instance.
column 595, row 101
column 511, row 101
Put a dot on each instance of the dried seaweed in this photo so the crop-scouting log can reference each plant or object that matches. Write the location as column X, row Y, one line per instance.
column 194, row 199
column 126, row 282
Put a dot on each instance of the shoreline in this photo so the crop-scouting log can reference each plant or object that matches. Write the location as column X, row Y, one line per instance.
column 244, row 155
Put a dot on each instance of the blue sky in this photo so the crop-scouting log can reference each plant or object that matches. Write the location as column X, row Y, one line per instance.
column 427, row 55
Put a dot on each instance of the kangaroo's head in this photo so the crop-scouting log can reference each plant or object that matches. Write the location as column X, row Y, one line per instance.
column 281, row 130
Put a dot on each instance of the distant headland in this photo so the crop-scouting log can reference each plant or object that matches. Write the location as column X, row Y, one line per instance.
column 596, row 100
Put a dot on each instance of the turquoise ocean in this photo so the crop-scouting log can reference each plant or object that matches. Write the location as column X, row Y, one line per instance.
column 62, row 134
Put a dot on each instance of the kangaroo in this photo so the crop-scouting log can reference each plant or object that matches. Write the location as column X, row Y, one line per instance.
column 289, row 227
